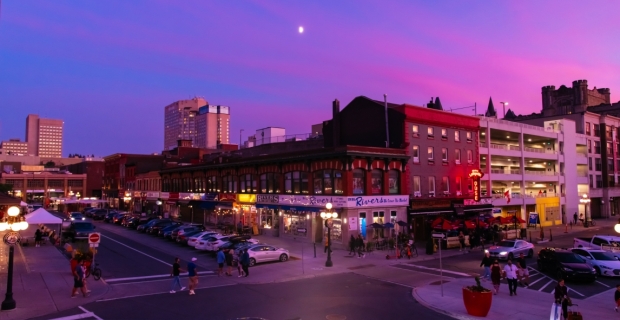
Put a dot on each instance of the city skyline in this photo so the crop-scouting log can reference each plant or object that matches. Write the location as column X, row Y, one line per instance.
column 108, row 68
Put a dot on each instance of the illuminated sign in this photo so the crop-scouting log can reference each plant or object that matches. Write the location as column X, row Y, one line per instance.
column 476, row 175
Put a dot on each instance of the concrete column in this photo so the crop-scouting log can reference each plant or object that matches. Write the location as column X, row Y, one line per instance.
column 522, row 168
column 487, row 140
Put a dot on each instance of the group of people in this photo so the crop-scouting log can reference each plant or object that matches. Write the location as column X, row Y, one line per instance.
column 79, row 280
column 356, row 245
column 514, row 273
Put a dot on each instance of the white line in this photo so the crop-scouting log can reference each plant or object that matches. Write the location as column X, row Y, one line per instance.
column 124, row 245
column 546, row 284
column 151, row 277
column 603, row 284
column 532, row 283
column 78, row 316
column 433, row 274
column 92, row 314
column 151, row 294
column 438, row 270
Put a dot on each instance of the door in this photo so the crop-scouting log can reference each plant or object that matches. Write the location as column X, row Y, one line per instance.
column 258, row 253
column 270, row 253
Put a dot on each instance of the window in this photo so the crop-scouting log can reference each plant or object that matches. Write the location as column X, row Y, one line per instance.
column 591, row 182
column 457, row 156
column 597, row 147
column 430, row 132
column 597, row 130
column 610, row 150
column 416, row 130
column 358, row 181
column 229, row 184
column 457, row 136
column 376, row 181
column 468, row 136
column 416, row 185
column 431, row 185
column 444, row 134
column 431, row 155
column 444, row 154
column 296, row 182
column 588, row 129
column 328, row 182
column 589, row 146
column 458, row 185
column 611, row 180
column 590, row 163
column 247, row 184
column 470, row 157
column 597, row 164
column 416, row 154
column 394, row 182
column 608, row 132
column 599, row 181
column 610, row 165
column 470, row 185
column 270, row 183
column 445, row 185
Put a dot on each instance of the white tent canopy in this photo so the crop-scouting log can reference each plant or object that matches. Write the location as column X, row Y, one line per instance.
column 41, row 216
column 23, row 204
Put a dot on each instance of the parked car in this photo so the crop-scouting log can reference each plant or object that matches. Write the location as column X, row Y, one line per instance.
column 193, row 240
column 170, row 227
column 263, row 253
column 79, row 230
column 603, row 262
column 509, row 249
column 118, row 218
column 214, row 244
column 565, row 264
column 98, row 214
column 598, row 242
column 76, row 216
column 185, row 228
column 202, row 243
column 88, row 212
column 238, row 243
column 182, row 239
column 143, row 227
column 127, row 220
column 109, row 216
column 154, row 229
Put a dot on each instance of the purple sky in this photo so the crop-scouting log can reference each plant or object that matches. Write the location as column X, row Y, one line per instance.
column 107, row 68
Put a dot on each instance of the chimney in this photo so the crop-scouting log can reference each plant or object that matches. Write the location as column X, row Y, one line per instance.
column 336, row 123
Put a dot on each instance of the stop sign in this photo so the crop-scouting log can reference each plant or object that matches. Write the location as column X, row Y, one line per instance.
column 94, row 238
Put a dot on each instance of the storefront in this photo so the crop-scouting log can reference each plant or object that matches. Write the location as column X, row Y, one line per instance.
column 423, row 211
column 246, row 212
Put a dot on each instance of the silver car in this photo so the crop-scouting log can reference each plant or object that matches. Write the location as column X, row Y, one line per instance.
column 510, row 249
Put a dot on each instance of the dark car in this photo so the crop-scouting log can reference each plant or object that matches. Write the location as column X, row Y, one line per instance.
column 167, row 228
column 118, row 218
column 88, row 212
column 185, row 229
column 79, row 230
column 154, row 229
column 564, row 264
column 144, row 226
column 98, row 214
column 127, row 220
column 109, row 216
column 168, row 233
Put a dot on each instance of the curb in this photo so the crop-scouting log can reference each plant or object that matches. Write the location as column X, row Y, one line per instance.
column 422, row 302
column 302, row 277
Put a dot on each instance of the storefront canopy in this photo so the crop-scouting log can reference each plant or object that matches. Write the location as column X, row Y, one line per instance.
column 41, row 216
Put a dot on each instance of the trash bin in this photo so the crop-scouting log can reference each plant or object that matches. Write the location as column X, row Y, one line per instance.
column 523, row 233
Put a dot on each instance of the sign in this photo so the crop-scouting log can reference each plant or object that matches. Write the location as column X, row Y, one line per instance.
column 302, row 230
column 210, row 197
column 12, row 238
column 164, row 195
column 424, row 204
column 476, row 175
column 152, row 194
column 247, row 198
column 267, row 198
column 94, row 238
column 337, row 202
column 186, row 196
column 439, row 235
column 228, row 196
column 534, row 219
column 377, row 201
column 353, row 223
column 459, row 208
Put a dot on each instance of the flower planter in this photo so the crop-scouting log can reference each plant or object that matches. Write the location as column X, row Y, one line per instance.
column 477, row 303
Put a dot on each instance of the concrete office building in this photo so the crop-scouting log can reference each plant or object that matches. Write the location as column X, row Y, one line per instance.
column 14, row 147
column 212, row 126
column 205, row 125
column 44, row 136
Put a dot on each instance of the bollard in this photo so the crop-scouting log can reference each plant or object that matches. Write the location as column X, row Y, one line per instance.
column 314, row 249
column 550, row 235
column 566, row 229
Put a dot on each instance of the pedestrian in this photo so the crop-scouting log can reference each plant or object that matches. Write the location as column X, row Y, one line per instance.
column 176, row 275
column 193, row 276
column 229, row 262
column 581, row 217
column 38, row 237
column 352, row 245
column 360, row 246
column 221, row 259
column 84, row 281
column 461, row 241
column 245, row 262
column 496, row 275
column 486, row 262
column 617, row 297
column 78, row 280
column 237, row 263
column 575, row 218
column 523, row 272
column 561, row 297
column 473, row 240
column 510, row 271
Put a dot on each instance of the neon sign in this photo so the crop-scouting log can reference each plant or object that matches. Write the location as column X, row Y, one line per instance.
column 476, row 175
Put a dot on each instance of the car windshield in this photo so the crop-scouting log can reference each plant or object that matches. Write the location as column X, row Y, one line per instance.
column 82, row 226
column 569, row 257
column 510, row 244
column 604, row 256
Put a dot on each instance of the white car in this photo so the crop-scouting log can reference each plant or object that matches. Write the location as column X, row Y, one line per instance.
column 510, row 249
column 193, row 240
column 202, row 243
column 263, row 253
column 214, row 243
column 604, row 262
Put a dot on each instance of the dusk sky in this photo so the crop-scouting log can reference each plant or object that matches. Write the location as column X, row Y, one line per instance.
column 108, row 68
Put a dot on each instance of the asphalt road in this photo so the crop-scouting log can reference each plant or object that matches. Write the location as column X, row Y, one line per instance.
column 344, row 296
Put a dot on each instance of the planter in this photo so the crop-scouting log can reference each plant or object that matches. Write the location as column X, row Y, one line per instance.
column 477, row 303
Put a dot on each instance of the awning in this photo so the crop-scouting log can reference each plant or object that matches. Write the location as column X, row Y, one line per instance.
column 184, row 202
column 267, row 206
column 303, row 209
column 431, row 212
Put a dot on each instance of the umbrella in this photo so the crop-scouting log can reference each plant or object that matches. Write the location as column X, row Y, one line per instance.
column 402, row 223
column 470, row 225
column 446, row 225
column 518, row 219
column 439, row 222
column 375, row 226
column 388, row 225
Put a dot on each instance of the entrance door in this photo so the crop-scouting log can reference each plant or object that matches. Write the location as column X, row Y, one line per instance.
column 363, row 224
column 419, row 228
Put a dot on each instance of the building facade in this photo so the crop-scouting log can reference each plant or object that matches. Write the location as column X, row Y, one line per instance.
column 212, row 126
column 93, row 169
column 35, row 184
column 115, row 182
column 44, row 136
column 14, row 147
column 206, row 126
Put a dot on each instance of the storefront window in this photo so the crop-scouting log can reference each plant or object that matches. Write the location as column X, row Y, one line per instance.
column 296, row 182
column 270, row 183
column 358, row 181
column 376, row 181
column 229, row 185
column 212, row 184
column 336, row 230
column 328, row 182
column 247, row 184
column 294, row 221
column 394, row 182
column 268, row 219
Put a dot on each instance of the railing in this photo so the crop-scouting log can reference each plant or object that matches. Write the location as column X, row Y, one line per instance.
column 515, row 171
column 499, row 146
column 504, row 171
column 482, row 144
column 510, row 123
column 539, row 150
column 515, row 148
column 541, row 173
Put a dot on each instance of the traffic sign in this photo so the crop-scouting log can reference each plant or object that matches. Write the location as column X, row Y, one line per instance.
column 94, row 238
column 439, row 235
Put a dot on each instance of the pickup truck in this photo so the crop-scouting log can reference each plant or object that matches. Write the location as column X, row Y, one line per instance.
column 607, row 243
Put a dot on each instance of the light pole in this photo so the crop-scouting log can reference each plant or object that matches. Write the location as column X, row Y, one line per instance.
column 504, row 104
column 586, row 201
column 14, row 223
column 240, row 138
column 327, row 217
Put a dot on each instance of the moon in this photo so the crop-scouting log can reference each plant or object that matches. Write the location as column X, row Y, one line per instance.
column 301, row 29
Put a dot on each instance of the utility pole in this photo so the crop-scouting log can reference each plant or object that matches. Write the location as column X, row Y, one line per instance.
column 387, row 128
column 240, row 133
column 504, row 104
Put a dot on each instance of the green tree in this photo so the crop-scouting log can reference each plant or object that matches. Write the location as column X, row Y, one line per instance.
column 50, row 164
column 5, row 188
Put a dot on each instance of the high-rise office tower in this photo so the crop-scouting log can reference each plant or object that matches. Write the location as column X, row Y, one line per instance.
column 212, row 126
column 44, row 136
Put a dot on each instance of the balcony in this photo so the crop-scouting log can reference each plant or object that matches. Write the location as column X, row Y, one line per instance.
column 541, row 173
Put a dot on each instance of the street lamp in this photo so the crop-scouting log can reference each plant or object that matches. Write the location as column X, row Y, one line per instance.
column 617, row 227
column 586, row 201
column 328, row 216
column 504, row 104
column 13, row 223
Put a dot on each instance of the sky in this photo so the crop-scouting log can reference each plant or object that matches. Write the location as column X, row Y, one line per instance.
column 108, row 68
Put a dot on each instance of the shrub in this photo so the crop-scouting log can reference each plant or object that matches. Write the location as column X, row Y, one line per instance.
column 478, row 287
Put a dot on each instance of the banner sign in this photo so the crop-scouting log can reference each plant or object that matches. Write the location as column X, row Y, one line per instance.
column 476, row 175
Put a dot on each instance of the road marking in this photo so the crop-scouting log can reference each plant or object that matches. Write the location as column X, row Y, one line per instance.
column 136, row 250
column 85, row 315
column 395, row 266
column 569, row 289
column 86, row 311
column 151, row 277
column 532, row 283
column 444, row 270
column 162, row 292
column 603, row 284
column 546, row 284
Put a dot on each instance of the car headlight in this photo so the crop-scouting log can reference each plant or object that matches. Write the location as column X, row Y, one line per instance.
column 503, row 253
column 72, row 218
column 83, row 218
column 486, row 251
column 568, row 269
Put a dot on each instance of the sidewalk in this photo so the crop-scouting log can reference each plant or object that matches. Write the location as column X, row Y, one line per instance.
column 528, row 305
column 42, row 282
column 606, row 226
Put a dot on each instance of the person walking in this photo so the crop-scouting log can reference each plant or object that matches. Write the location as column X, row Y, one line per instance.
column 617, row 297
column 575, row 218
column 496, row 275
column 176, row 275
column 561, row 297
column 524, row 274
column 352, row 245
column 193, row 276
column 84, row 281
column 461, row 241
column 229, row 262
column 245, row 262
column 486, row 263
column 38, row 237
column 78, row 278
column 360, row 246
column 510, row 271
column 237, row 263
column 221, row 258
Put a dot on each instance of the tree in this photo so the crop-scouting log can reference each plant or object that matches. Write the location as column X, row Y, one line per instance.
column 50, row 164
column 5, row 188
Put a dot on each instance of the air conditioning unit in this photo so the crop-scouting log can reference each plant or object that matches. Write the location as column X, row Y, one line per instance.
column 431, row 194
column 417, row 194
column 457, row 161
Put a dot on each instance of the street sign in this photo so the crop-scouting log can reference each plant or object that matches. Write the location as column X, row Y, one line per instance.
column 439, row 235
column 94, row 245
column 12, row 238
column 302, row 230
column 94, row 238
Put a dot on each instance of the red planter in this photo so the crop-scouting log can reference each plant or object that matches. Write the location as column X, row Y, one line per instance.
column 477, row 303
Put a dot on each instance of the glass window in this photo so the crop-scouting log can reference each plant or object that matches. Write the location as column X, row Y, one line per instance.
column 328, row 182
column 589, row 146
column 588, row 128
column 294, row 221
column 393, row 182
column 431, row 185
column 470, row 156
column 468, row 136
column 358, row 181
column 457, row 156
column 444, row 154
column 376, row 181
column 416, row 184
column 597, row 147
column 430, row 132
column 431, row 155
column 444, row 133
column 445, row 185
column 269, row 183
column 318, row 182
column 458, row 184
column 416, row 154
column 457, row 136
column 415, row 129
column 229, row 184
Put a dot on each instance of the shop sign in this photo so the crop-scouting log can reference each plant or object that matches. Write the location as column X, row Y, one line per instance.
column 377, row 201
column 186, row 196
column 472, row 202
column 315, row 201
column 424, row 204
column 173, row 195
column 152, row 194
column 353, row 223
column 302, row 230
column 476, row 175
column 246, row 198
column 137, row 194
column 210, row 196
column 267, row 198
column 197, row 196
column 228, row 196
column 164, row 195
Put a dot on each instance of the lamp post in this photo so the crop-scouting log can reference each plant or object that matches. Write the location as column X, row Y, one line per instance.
column 504, row 104
column 617, row 226
column 13, row 223
column 586, row 201
column 327, row 217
